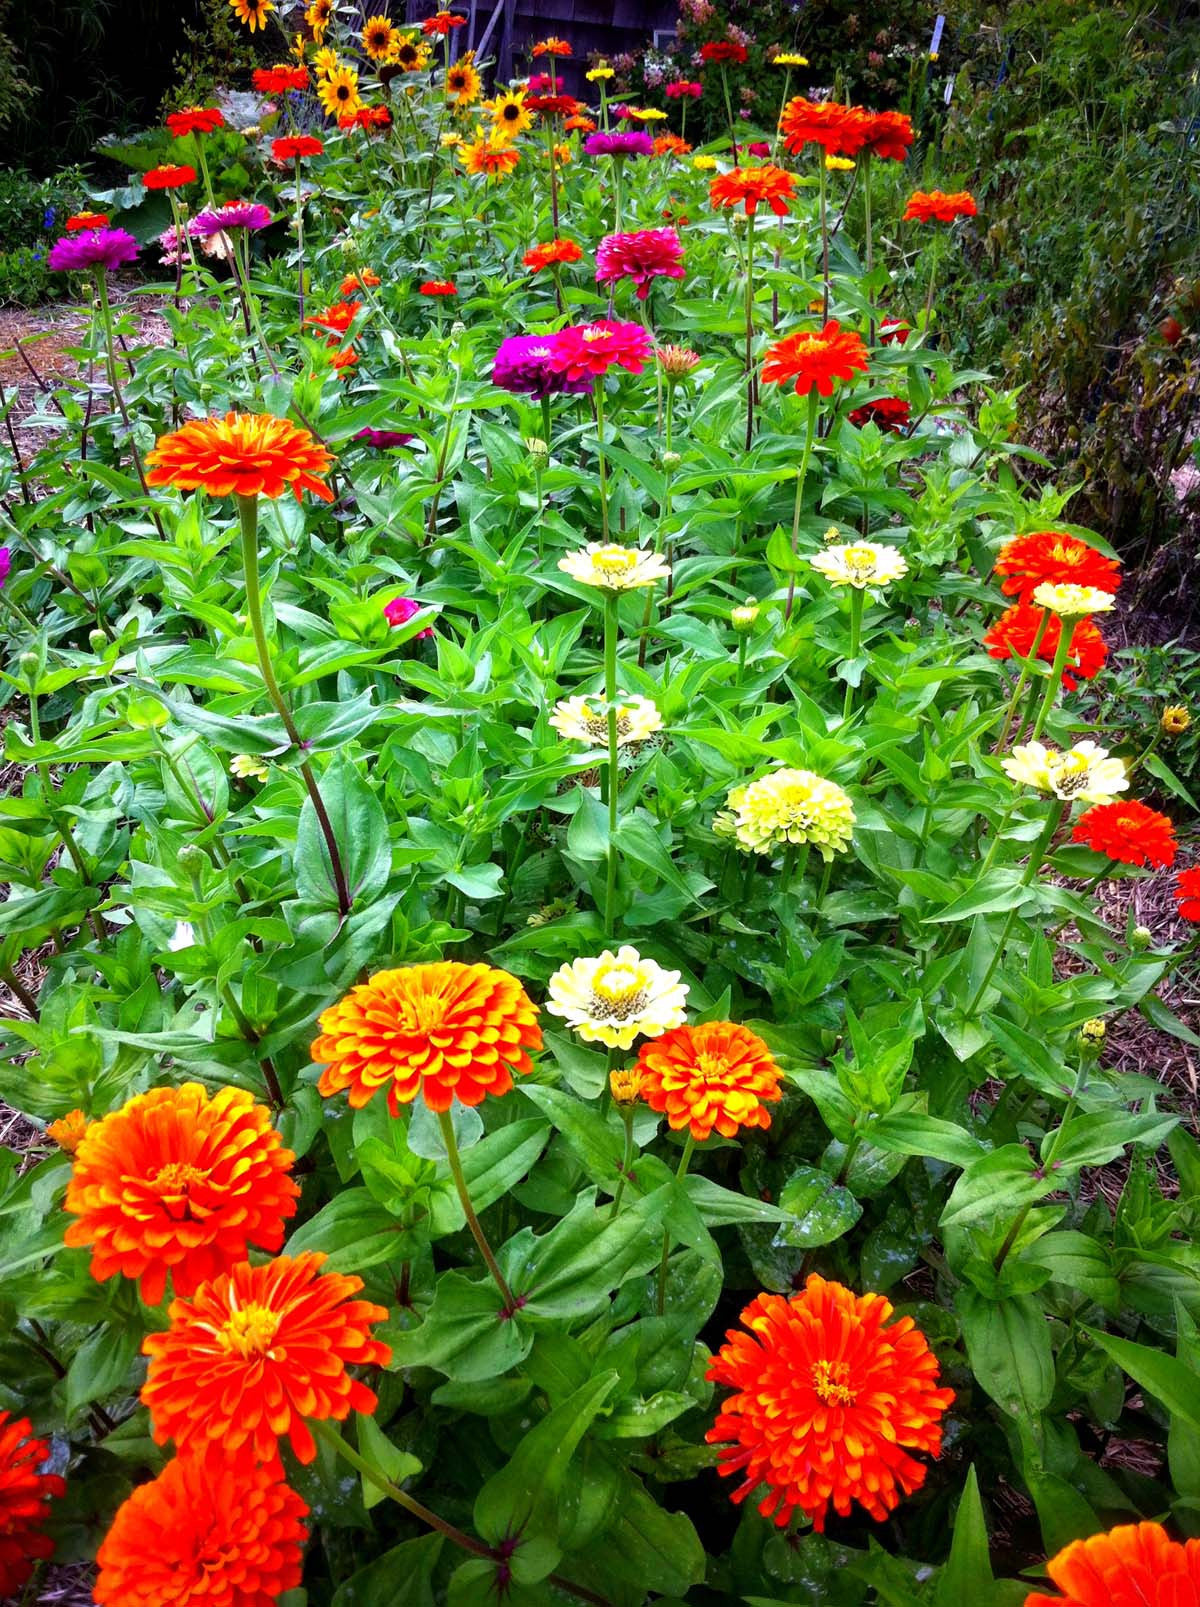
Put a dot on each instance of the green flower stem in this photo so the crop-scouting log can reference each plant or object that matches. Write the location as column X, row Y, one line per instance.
column 749, row 330
column 1066, row 630
column 27, row 999
column 446, row 1123
column 743, row 645
column 823, row 180
column 810, row 435
column 729, row 113
column 999, row 837
column 598, row 394
column 681, row 1173
column 299, row 250
column 553, row 181
column 870, row 244
column 933, row 263
column 1022, row 679
column 1150, row 747
column 858, row 599
column 618, row 174
column 787, row 84
column 1031, row 869
column 204, row 173
column 612, row 615
column 826, row 874
column 248, row 514
column 1010, row 1238
column 626, row 1161
column 249, row 305
column 110, row 353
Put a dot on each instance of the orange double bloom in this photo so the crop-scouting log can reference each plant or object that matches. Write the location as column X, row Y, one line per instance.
column 717, row 1076
column 815, row 359
column 752, row 186
column 243, row 454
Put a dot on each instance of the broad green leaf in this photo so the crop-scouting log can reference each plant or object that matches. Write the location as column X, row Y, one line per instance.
column 1008, row 1346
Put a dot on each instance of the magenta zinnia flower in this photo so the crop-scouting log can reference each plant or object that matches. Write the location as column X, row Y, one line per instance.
column 5, row 565
column 384, row 438
column 98, row 248
column 637, row 144
column 642, row 256
column 400, row 610
column 525, row 363
column 682, row 89
column 233, row 215
column 588, row 351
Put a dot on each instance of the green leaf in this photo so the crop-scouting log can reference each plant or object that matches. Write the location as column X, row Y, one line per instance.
column 101, row 1366
column 993, row 1186
column 354, row 1231
column 572, row 1270
column 1008, row 1346
column 464, row 1334
column 995, row 891
column 394, row 1464
column 1168, row 1379
column 360, row 829
column 821, row 1211
column 911, row 1133
column 966, row 1579
column 375, row 1585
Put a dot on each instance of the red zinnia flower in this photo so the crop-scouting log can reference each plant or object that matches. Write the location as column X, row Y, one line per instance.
column 1127, row 831
column 894, row 331
column 830, row 1399
column 588, row 351
column 752, row 185
column 889, row 412
column 364, row 279
column 254, row 1353
column 338, row 317
column 1135, row 1565
column 175, row 1182
column 682, row 89
column 169, row 178
column 1187, row 893
column 1016, row 631
column 24, row 1503
column 552, row 251
column 442, row 22
column 555, row 105
column 815, row 358
column 294, row 146
column 1053, row 558
column 888, row 135
column 717, row 1075
column 87, row 220
column 935, row 206
column 195, row 120
column 230, row 1539
column 643, row 256
column 722, row 50
column 839, row 130
column 278, row 80
column 439, row 287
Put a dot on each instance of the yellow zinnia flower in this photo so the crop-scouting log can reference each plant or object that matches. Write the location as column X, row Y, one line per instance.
column 788, row 58
column 839, row 164
column 611, row 567
column 1073, row 602
column 615, row 998
column 1175, row 719
column 860, row 564
column 245, row 767
column 626, row 1086
column 597, row 73
column 252, row 12
column 1084, row 771
column 791, row 806
column 704, row 163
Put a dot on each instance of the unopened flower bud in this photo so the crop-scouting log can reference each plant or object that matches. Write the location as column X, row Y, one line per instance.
column 677, row 361
column 192, row 860
column 536, row 447
column 97, row 641
column 742, row 617
column 1175, row 720
column 29, row 665
column 458, row 329
column 1141, row 938
column 671, row 460
column 1092, row 1034
column 626, row 1086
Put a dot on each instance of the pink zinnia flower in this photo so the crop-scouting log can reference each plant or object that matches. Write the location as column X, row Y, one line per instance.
column 644, row 255
column 384, row 439
column 5, row 564
column 98, row 248
column 635, row 144
column 400, row 610
column 682, row 88
column 233, row 215
column 583, row 351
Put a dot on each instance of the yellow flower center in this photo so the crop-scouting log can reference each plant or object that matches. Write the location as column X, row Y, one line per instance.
column 859, row 561
column 176, row 1178
column 618, row 992
column 829, row 1382
column 249, row 1332
column 597, row 334
column 614, row 560
column 1069, row 773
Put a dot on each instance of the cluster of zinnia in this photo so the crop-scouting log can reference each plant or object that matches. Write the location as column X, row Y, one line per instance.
column 338, row 322
column 845, row 130
column 572, row 360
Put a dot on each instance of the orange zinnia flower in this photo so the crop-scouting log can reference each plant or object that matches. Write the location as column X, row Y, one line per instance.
column 1127, row 831
column 839, row 130
column 551, row 46
column 817, row 358
column 552, row 251
column 254, row 1353
column 1017, row 629
column 177, row 1182
column 250, row 454
column 1136, row 1565
column 24, row 1503
column 231, row 1539
column 1187, row 893
column 1051, row 557
column 579, row 125
column 889, row 135
column 829, row 1402
column 936, row 206
column 445, row 1030
column 751, row 185
column 669, row 145
column 488, row 155
column 716, row 1075
column 67, row 1132
column 169, row 178
column 364, row 279
column 338, row 317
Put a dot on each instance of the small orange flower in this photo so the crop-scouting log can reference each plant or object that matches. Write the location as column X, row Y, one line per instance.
column 24, row 1503
column 551, row 46
column 716, row 1075
column 364, row 279
column 829, row 1402
column 254, row 1353
column 488, row 154
column 1136, row 1565
column 579, row 125
column 551, row 252
column 445, row 1030
column 175, row 1182
column 250, row 454
column 935, row 206
column 67, row 1132
column 670, row 145
column 839, row 130
column 752, row 185
column 342, row 362
column 816, row 358
column 338, row 317
column 229, row 1539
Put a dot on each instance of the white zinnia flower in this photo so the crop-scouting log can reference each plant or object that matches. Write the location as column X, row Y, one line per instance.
column 582, row 719
column 860, row 564
column 616, row 998
column 1084, row 771
column 1073, row 602
column 612, row 567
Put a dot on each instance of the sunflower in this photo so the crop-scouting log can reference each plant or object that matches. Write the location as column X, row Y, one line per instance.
column 326, row 61
column 338, row 93
column 379, row 38
column 318, row 16
column 445, row 1030
column 252, row 12
column 510, row 115
column 410, row 54
column 463, row 83
column 250, row 454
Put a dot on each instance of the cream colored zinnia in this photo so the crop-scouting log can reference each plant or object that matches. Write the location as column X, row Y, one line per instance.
column 1073, row 602
column 615, row 998
column 245, row 767
column 1084, row 771
column 611, row 567
column 860, row 564
column 582, row 719
column 792, row 806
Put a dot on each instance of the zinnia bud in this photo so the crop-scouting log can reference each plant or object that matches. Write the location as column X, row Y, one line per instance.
column 742, row 617
column 536, row 447
column 1175, row 720
column 192, row 860
column 626, row 1086
column 29, row 666
column 1141, row 938
column 1092, row 1034
column 97, row 641
column 671, row 460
